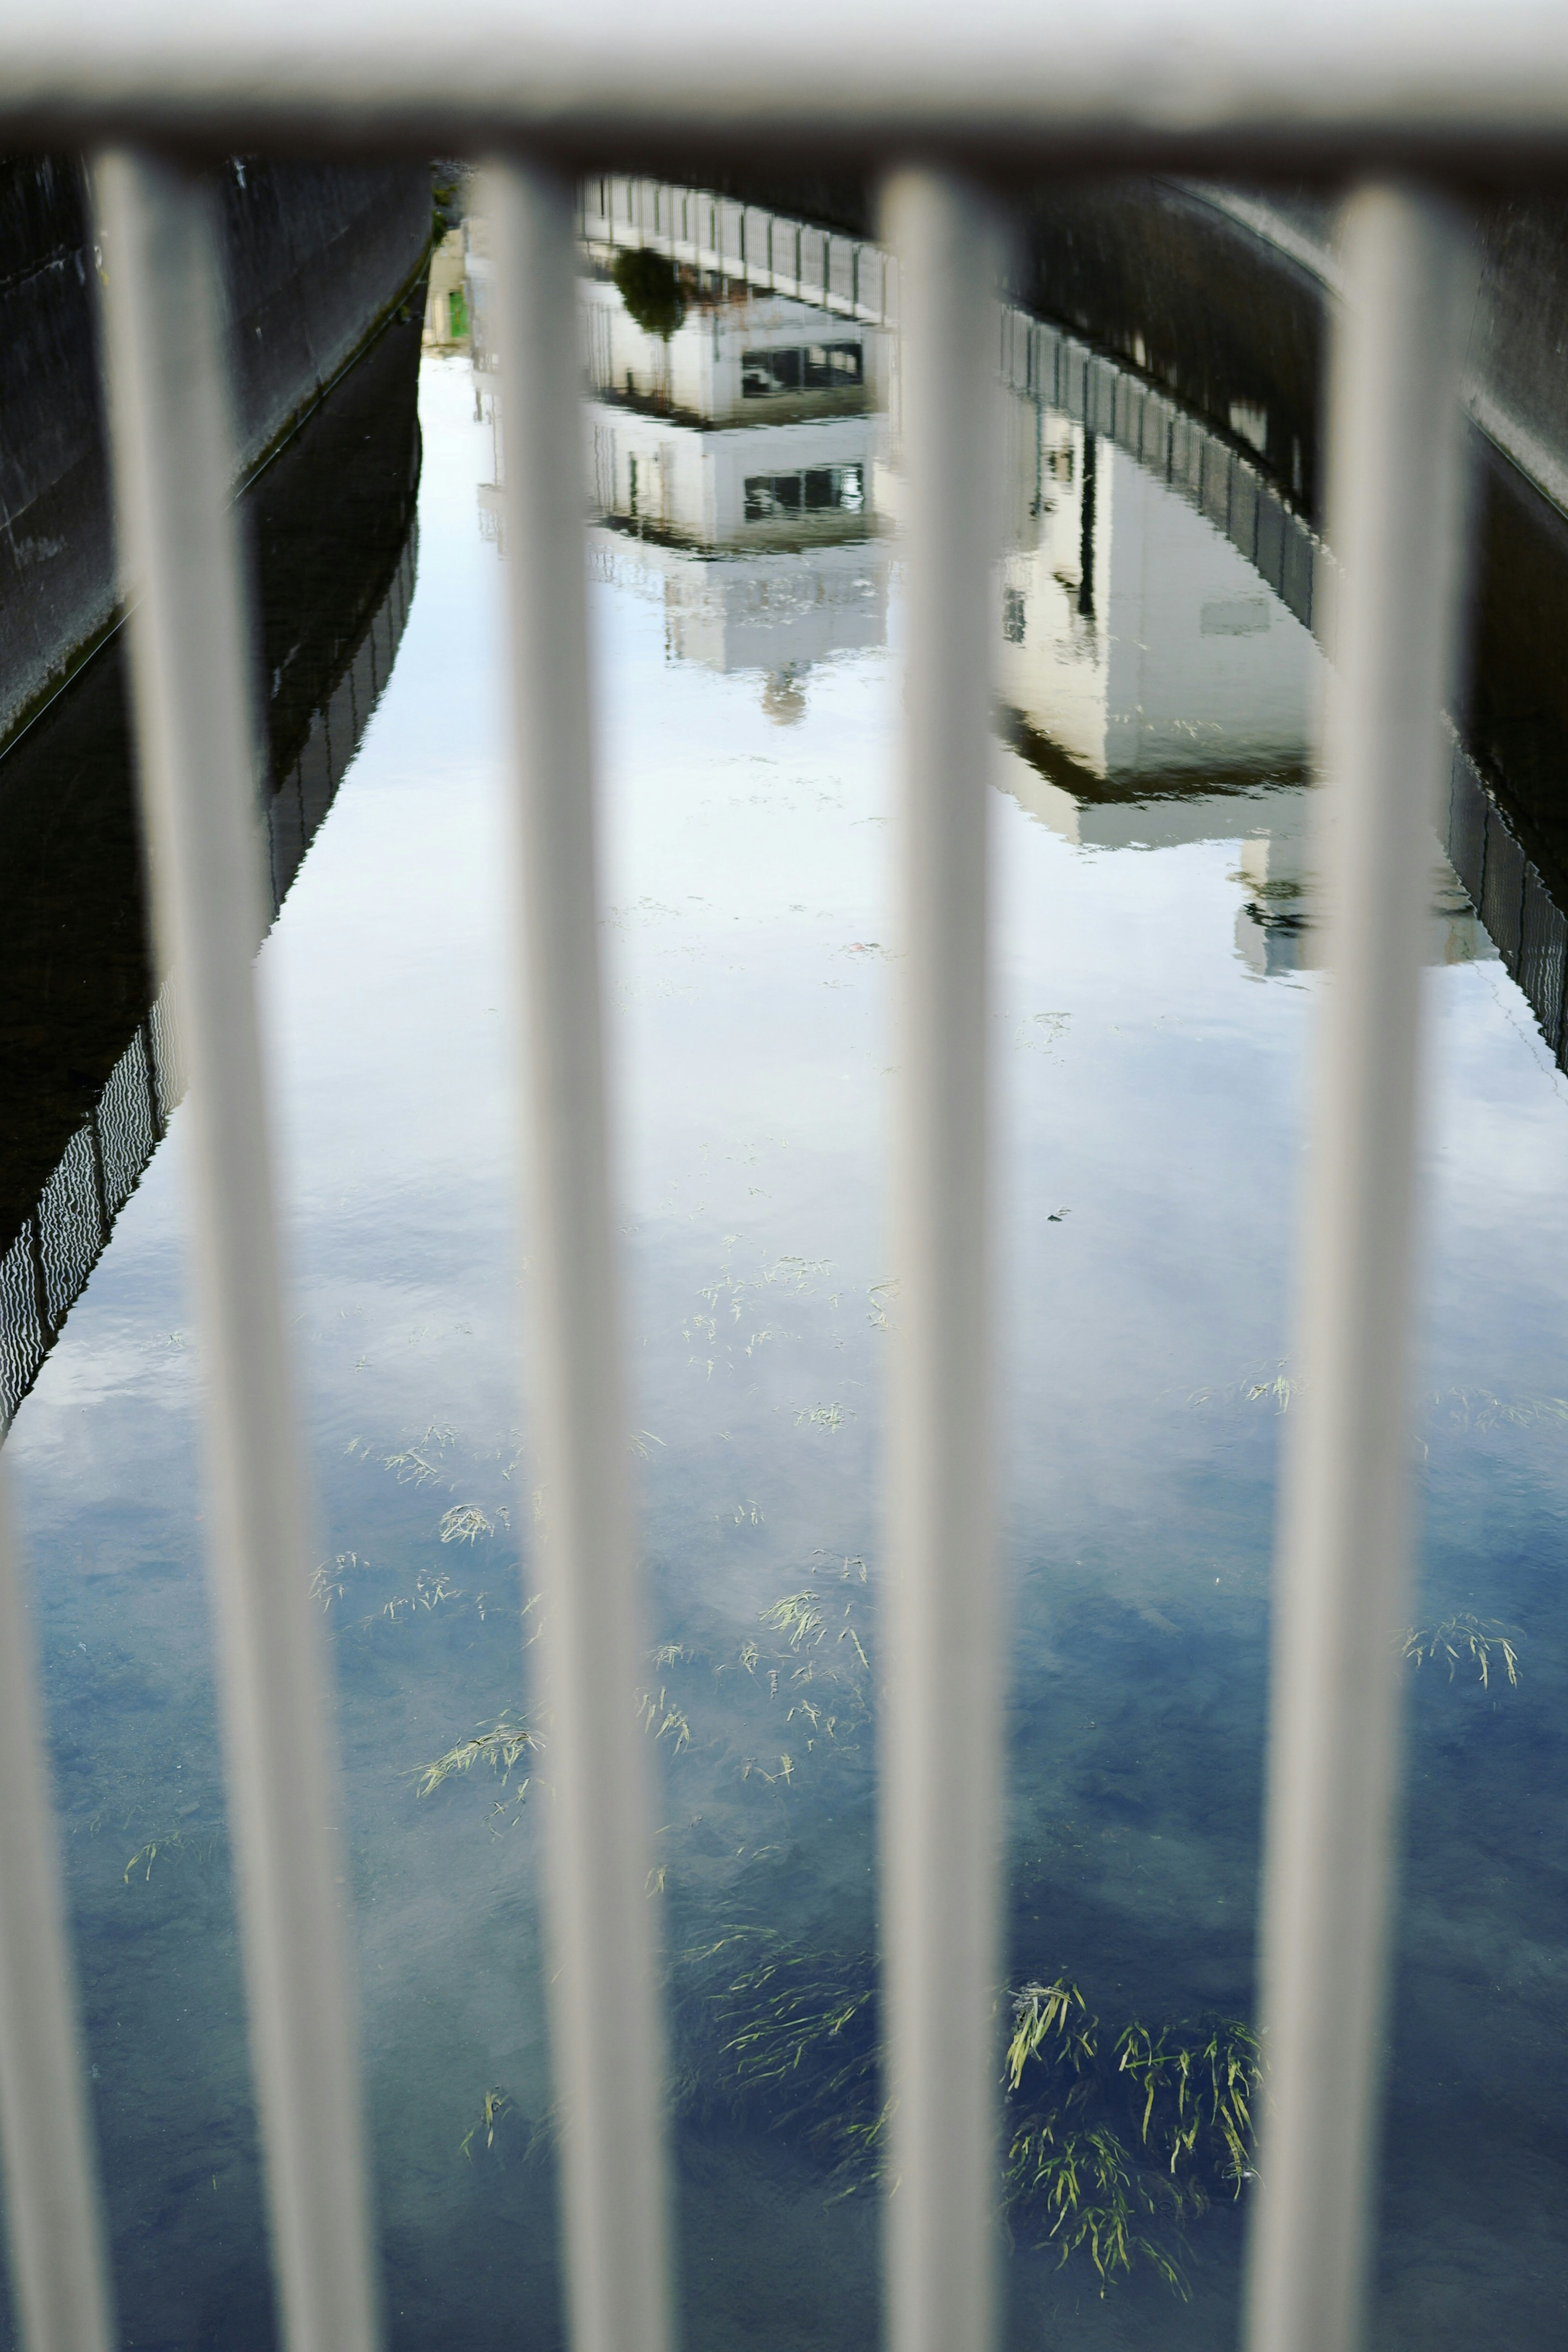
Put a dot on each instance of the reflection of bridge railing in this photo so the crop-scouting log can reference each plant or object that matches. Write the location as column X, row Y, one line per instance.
column 766, row 250
column 776, row 254
column 45, row 1268
column 1526, row 925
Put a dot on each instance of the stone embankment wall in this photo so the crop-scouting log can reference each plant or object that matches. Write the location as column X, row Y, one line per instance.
column 316, row 257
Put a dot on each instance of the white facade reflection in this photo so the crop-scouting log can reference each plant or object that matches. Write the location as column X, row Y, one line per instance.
column 743, row 452
column 1159, row 693
column 1133, row 635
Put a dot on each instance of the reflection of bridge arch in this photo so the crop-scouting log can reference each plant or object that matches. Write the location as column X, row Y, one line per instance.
column 332, row 617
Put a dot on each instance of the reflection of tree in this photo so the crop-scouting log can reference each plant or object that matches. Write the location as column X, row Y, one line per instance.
column 651, row 288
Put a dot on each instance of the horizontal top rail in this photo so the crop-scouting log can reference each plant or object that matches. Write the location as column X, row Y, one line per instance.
column 1134, row 81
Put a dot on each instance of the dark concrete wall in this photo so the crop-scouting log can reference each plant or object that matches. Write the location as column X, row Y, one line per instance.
column 86, row 1073
column 315, row 255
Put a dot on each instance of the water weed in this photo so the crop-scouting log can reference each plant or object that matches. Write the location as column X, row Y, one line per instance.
column 494, row 2107
column 1456, row 1638
column 502, row 1747
column 1115, row 2139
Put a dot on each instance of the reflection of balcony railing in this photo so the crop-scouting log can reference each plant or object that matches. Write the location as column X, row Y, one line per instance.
column 1345, row 95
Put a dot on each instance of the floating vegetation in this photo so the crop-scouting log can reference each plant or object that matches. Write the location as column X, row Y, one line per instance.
column 412, row 1464
column 1479, row 1409
column 431, row 1591
column 465, row 1523
column 796, row 2036
column 823, row 1416
column 660, row 1716
column 329, row 1581
column 1049, row 2021
column 494, row 2107
column 502, row 1747
column 1116, row 2138
column 800, row 1617
column 169, row 1844
column 1465, row 1637
column 1096, row 2198
column 1185, row 2092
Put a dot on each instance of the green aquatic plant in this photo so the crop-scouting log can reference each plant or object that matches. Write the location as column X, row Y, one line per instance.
column 799, row 1617
column 1091, row 2110
column 1094, row 2198
column 167, row 1845
column 502, row 1747
column 330, row 1579
column 412, row 1464
column 146, row 1855
column 1195, row 2089
column 790, row 2037
column 1052, row 2022
column 1115, row 2140
column 823, row 1416
column 432, row 1591
column 664, row 1718
column 465, row 1523
column 494, row 2107
column 1461, row 1637
column 1481, row 1409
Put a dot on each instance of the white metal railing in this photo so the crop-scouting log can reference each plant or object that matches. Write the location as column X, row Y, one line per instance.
column 1343, row 96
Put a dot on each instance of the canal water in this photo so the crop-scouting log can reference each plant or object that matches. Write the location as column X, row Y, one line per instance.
column 1155, row 984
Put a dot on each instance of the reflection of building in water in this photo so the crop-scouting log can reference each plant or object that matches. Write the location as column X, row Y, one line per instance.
column 1276, row 867
column 776, row 611
column 737, row 358
column 752, row 424
column 1141, row 656
column 1136, row 639
column 742, row 454
column 772, row 485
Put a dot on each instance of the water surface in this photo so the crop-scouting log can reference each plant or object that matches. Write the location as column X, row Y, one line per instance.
column 1154, row 986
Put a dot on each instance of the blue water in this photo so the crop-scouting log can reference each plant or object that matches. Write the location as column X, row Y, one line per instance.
column 1150, row 1085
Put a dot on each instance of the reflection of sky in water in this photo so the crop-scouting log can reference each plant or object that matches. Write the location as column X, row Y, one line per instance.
column 1149, row 1082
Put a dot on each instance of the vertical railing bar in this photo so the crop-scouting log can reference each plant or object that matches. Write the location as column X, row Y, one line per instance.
column 1395, row 517
column 55, row 2221
column 941, row 1798
column 172, row 451
column 601, row 1941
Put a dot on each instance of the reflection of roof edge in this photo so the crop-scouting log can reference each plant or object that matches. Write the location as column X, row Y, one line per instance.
column 1176, row 782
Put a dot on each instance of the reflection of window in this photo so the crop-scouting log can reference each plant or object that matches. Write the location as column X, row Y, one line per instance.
column 1012, row 615
column 818, row 367
column 831, row 367
column 457, row 313
column 819, row 489
column 764, row 375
